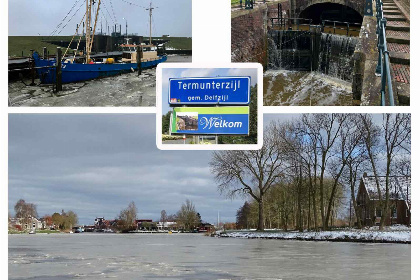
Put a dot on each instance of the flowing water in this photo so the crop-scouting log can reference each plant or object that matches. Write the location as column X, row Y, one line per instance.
column 336, row 56
column 194, row 256
column 307, row 68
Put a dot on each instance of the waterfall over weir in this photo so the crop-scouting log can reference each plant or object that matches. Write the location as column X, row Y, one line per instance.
column 328, row 54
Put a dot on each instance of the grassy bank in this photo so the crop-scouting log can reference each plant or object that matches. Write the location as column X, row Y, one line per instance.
column 179, row 43
column 14, row 231
column 19, row 44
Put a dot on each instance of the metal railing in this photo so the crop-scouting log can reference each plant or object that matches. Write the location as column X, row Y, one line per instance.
column 340, row 25
column 302, row 23
column 383, row 69
column 285, row 23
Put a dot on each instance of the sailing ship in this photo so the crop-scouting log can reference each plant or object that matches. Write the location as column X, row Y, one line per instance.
column 73, row 71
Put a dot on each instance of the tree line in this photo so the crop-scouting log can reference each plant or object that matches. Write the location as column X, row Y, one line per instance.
column 25, row 212
column 187, row 218
column 299, row 177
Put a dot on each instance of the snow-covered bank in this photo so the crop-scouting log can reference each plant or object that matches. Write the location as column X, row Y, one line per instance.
column 347, row 235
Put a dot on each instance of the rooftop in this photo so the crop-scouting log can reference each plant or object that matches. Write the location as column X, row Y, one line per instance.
column 399, row 187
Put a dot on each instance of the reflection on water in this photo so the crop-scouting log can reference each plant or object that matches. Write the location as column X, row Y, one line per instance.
column 194, row 256
column 283, row 87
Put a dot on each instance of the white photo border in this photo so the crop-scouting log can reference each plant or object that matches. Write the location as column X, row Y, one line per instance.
column 159, row 93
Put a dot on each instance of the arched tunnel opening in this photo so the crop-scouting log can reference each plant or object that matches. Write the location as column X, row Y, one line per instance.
column 331, row 12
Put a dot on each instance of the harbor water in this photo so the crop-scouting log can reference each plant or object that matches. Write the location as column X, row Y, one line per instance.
column 195, row 256
column 123, row 90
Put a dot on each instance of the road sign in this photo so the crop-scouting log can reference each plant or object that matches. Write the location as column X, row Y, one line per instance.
column 219, row 90
column 211, row 120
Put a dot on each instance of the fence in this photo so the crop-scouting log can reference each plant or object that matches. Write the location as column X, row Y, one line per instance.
column 383, row 69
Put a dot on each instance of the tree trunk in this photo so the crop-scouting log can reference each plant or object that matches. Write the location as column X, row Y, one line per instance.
column 353, row 198
column 300, row 221
column 385, row 207
column 260, row 226
column 321, row 191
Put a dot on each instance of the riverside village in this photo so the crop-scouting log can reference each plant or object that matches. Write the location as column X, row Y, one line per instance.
column 327, row 196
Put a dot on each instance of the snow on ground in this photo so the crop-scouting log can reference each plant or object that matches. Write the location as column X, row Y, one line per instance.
column 393, row 234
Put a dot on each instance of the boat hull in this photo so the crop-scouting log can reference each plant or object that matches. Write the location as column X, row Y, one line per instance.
column 77, row 72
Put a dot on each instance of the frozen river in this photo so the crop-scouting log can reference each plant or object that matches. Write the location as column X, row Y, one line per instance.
column 194, row 256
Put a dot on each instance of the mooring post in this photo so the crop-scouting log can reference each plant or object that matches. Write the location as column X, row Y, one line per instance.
column 58, row 81
column 32, row 63
column 44, row 53
column 139, row 57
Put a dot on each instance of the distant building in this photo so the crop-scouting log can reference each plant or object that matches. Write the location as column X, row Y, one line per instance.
column 30, row 223
column 146, row 224
column 206, row 227
column 167, row 226
column 399, row 200
column 100, row 224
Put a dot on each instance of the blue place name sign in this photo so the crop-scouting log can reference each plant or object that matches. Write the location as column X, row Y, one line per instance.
column 219, row 90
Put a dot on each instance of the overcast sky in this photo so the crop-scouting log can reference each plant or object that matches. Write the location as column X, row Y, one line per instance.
column 95, row 164
column 33, row 17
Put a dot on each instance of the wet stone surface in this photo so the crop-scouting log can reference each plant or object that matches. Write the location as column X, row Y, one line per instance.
column 284, row 88
column 123, row 90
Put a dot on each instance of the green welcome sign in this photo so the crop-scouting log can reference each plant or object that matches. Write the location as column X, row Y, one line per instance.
column 211, row 120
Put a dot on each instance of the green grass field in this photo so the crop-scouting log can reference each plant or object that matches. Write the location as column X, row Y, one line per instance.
column 19, row 44
column 179, row 43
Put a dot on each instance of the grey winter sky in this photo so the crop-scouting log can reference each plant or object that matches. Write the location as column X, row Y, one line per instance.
column 33, row 17
column 95, row 164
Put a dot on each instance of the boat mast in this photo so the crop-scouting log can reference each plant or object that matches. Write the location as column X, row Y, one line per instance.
column 94, row 26
column 88, row 15
column 150, row 9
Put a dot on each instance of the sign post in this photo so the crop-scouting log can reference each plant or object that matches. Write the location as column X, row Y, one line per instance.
column 225, row 106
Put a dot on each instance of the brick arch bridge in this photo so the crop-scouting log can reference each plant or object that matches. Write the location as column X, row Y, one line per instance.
column 297, row 6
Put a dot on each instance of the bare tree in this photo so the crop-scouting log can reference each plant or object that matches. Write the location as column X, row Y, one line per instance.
column 187, row 216
column 390, row 140
column 249, row 173
column 397, row 134
column 163, row 217
column 127, row 218
column 25, row 211
column 372, row 141
column 349, row 142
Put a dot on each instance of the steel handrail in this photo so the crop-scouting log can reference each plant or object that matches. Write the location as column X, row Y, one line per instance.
column 383, row 69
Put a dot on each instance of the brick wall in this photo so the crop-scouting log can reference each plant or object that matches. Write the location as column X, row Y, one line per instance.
column 300, row 5
column 248, row 33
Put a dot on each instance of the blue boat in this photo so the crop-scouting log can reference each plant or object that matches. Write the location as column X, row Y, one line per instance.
column 73, row 72
column 77, row 72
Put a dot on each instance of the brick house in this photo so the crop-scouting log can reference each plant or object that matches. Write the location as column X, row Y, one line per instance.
column 399, row 198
